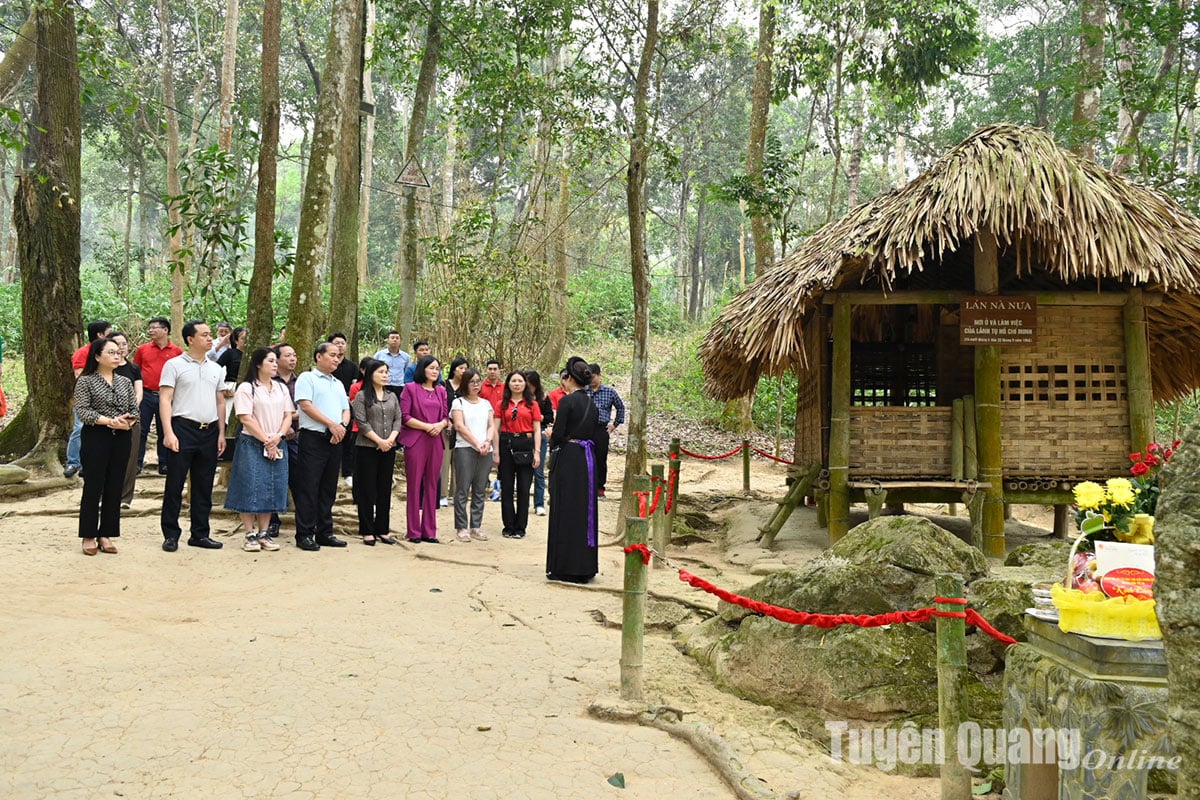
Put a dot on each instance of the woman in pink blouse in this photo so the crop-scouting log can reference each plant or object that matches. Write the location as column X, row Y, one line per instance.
column 423, row 414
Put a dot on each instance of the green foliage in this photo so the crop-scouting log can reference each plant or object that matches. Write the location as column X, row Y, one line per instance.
column 602, row 305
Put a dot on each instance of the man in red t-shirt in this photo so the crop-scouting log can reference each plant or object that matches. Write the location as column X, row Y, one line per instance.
column 99, row 329
column 492, row 389
column 556, row 395
column 151, row 357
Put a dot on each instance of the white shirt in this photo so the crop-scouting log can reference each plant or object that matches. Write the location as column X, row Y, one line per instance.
column 476, row 416
column 196, row 384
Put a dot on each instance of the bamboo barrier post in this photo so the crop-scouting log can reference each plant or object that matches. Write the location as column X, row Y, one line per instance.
column 1137, row 373
column 952, row 686
column 673, row 480
column 658, row 520
column 956, row 448
column 746, row 465
column 839, row 424
column 970, row 440
column 633, row 612
column 988, row 425
column 800, row 488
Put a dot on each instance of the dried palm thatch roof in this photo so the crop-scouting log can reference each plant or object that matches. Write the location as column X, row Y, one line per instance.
column 1060, row 214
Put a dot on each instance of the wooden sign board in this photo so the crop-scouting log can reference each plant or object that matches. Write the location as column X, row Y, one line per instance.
column 997, row 320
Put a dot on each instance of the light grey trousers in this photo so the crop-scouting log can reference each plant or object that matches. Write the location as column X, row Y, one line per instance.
column 471, row 470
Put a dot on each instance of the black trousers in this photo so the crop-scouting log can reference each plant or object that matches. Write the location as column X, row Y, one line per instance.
column 373, row 490
column 316, row 484
column 104, row 454
column 600, row 448
column 349, row 456
column 197, row 457
column 515, row 519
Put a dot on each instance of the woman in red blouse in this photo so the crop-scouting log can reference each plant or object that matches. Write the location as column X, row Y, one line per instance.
column 516, row 454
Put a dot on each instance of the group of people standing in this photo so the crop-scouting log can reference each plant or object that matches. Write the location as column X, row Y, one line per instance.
column 297, row 433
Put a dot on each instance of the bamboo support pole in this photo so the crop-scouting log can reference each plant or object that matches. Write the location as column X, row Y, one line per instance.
column 1137, row 373
column 970, row 440
column 838, row 513
column 673, row 478
column 746, row 465
column 658, row 520
column 989, row 441
column 1062, row 524
column 633, row 613
column 800, row 489
column 952, row 686
column 956, row 448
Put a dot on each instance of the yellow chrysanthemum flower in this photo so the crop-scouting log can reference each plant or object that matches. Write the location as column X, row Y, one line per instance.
column 1089, row 495
column 1120, row 492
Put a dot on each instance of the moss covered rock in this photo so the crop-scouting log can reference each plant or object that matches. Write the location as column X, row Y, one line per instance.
column 911, row 543
column 1050, row 555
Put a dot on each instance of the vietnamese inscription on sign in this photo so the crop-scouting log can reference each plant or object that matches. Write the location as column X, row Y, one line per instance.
column 996, row 319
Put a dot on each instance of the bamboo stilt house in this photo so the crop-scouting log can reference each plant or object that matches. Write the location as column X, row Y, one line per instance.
column 1004, row 322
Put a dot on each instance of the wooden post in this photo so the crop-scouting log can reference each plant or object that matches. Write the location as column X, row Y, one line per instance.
column 839, row 425
column 1137, row 373
column 970, row 440
column 1062, row 521
column 956, row 448
column 800, row 488
column 633, row 613
column 673, row 478
column 987, row 403
column 746, row 465
column 658, row 520
column 952, row 686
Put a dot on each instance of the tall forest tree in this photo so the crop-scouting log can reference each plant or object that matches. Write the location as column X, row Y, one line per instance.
column 47, row 219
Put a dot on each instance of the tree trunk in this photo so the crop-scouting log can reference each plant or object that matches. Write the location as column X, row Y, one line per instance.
column 1177, row 594
column 682, row 240
column 260, row 314
column 368, row 153
column 228, row 68
column 410, row 264
column 343, row 285
column 304, row 318
column 19, row 56
column 46, row 217
column 554, row 350
column 760, row 110
column 1085, row 120
column 697, row 252
column 854, row 168
column 635, row 198
column 450, row 160
column 1133, row 110
column 174, row 187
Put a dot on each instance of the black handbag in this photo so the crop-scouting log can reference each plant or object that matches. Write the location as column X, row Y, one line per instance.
column 521, row 450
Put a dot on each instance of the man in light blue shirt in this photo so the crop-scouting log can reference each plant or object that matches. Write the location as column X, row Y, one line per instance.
column 421, row 349
column 397, row 361
column 324, row 420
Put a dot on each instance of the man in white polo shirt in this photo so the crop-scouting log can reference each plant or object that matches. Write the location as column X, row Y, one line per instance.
column 192, row 412
column 324, row 420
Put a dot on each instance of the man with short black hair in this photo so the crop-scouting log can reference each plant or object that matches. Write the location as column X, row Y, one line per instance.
column 99, row 329
column 324, row 421
column 607, row 401
column 492, row 389
column 346, row 372
column 150, row 358
column 421, row 349
column 397, row 362
column 192, row 408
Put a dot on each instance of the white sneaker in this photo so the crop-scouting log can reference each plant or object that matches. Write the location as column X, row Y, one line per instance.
column 251, row 544
column 266, row 542
column 540, row 511
column 445, row 501
column 349, row 481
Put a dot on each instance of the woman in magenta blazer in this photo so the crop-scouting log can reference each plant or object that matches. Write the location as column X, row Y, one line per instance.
column 423, row 414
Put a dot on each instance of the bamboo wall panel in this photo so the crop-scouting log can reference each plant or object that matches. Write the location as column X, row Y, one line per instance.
column 1064, row 404
column 899, row 441
column 810, row 403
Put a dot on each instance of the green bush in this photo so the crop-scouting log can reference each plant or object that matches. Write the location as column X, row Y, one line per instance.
column 602, row 306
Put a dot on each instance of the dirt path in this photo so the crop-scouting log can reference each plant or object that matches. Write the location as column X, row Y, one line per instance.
column 451, row 671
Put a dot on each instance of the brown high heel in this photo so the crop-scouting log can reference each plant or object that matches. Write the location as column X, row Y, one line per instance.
column 106, row 545
column 89, row 549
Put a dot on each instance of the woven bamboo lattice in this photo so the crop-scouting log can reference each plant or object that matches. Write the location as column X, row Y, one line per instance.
column 1064, row 408
column 810, row 408
column 898, row 441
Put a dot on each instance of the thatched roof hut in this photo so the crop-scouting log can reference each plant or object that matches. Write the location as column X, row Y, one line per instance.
column 1062, row 222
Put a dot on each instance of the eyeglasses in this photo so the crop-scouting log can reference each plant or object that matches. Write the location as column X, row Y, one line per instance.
column 110, row 352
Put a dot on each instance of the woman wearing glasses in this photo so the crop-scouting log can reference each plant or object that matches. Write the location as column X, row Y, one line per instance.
column 423, row 414
column 474, row 423
column 517, row 455
column 105, row 404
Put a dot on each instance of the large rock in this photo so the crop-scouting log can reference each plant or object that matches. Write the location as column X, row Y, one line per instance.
column 832, row 585
column 911, row 543
column 872, row 674
column 1051, row 555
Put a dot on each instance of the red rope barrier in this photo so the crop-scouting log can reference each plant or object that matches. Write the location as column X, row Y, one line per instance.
column 658, row 482
column 832, row 620
column 672, row 485
column 732, row 452
column 765, row 454
column 642, row 549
